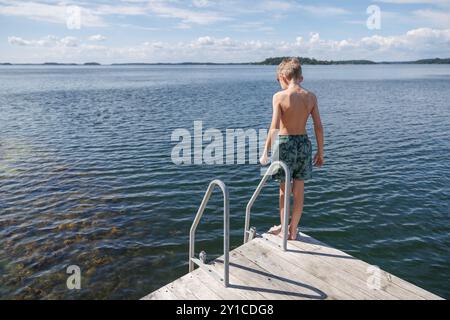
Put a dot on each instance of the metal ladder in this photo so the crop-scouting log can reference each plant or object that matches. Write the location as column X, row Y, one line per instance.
column 249, row 233
column 201, row 261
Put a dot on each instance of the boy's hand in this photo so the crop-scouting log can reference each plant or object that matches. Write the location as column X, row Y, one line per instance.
column 264, row 160
column 318, row 159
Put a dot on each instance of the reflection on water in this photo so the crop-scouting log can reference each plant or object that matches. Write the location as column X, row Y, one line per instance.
column 86, row 177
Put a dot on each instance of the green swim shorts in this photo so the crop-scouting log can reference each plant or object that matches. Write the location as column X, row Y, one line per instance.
column 296, row 152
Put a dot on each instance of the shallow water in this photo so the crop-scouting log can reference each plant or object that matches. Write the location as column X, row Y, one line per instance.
column 86, row 176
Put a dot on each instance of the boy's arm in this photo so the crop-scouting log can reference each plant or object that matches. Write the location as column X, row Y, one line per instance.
column 318, row 130
column 273, row 130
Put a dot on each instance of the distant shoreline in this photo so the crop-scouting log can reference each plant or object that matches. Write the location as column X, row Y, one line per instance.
column 267, row 62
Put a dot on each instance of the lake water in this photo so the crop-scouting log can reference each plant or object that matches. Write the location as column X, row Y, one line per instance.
column 86, row 176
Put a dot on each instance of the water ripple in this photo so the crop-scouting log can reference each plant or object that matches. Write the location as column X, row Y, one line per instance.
column 86, row 176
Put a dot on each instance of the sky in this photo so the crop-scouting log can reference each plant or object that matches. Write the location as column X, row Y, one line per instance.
column 150, row 31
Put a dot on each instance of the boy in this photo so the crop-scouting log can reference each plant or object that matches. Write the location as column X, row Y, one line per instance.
column 291, row 109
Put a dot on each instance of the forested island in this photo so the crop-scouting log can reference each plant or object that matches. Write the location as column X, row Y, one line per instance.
column 433, row 61
column 312, row 61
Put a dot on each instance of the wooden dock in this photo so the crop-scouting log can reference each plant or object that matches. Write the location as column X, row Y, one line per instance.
column 309, row 269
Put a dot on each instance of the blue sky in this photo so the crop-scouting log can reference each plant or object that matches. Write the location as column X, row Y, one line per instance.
column 220, row 31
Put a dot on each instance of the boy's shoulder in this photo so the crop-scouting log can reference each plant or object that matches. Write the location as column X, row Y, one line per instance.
column 285, row 93
column 308, row 93
column 279, row 94
column 312, row 95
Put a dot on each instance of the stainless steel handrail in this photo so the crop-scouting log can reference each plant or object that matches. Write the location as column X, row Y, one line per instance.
column 226, row 230
column 287, row 196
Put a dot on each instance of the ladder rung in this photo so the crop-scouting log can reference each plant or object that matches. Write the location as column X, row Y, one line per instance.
column 207, row 268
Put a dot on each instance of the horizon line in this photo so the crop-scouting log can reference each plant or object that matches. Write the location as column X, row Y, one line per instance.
column 264, row 62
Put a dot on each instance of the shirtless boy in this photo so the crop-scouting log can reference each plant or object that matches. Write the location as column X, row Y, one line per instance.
column 291, row 109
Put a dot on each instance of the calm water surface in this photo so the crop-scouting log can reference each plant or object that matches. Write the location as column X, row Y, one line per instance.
column 86, row 176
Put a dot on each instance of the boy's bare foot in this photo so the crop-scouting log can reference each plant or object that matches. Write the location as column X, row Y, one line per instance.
column 275, row 230
column 293, row 235
column 281, row 234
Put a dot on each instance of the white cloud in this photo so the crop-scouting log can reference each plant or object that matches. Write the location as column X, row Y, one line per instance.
column 22, row 42
column 48, row 41
column 414, row 44
column 211, row 41
column 92, row 15
column 155, row 44
column 69, row 42
column 424, row 41
column 97, row 37
column 54, row 13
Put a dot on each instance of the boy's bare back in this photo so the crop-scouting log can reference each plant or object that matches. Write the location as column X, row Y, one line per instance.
column 295, row 105
column 291, row 109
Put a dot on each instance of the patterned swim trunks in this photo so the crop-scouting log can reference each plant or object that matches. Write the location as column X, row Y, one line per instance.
column 296, row 152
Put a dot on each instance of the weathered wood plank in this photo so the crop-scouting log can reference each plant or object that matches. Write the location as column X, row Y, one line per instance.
column 249, row 282
column 163, row 293
column 230, row 293
column 327, row 273
column 352, row 267
column 276, row 262
column 309, row 269
column 390, row 277
column 268, row 283
column 195, row 288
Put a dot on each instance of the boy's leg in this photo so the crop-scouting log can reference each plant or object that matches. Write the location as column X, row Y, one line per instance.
column 276, row 230
column 298, row 191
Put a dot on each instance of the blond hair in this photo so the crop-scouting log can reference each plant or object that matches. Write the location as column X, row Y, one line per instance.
column 290, row 68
